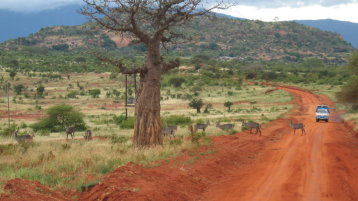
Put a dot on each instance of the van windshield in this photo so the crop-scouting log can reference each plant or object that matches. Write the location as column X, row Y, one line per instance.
column 322, row 111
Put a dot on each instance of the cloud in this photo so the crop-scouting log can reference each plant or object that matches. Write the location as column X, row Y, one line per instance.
column 294, row 3
column 344, row 12
column 35, row 5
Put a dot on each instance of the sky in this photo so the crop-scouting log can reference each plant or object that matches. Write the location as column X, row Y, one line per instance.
column 265, row 10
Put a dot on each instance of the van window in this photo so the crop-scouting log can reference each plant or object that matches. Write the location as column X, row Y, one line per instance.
column 322, row 110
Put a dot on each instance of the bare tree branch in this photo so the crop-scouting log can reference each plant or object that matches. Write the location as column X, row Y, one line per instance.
column 148, row 20
column 121, row 67
column 170, row 65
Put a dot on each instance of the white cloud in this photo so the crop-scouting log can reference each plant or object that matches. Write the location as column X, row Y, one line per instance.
column 344, row 12
column 34, row 5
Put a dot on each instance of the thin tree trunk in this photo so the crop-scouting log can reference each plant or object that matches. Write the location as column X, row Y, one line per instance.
column 147, row 126
column 8, row 103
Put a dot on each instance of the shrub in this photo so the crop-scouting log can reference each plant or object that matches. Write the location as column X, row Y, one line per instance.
column 8, row 131
column 127, row 124
column 19, row 88
column 8, row 149
column 118, row 139
column 59, row 117
column 176, row 142
column 196, row 104
column 88, row 186
column 60, row 47
column 176, row 81
column 40, row 91
column 228, row 104
column 94, row 93
column 72, row 94
column 176, row 120
column 232, row 132
column 118, row 119
column 44, row 133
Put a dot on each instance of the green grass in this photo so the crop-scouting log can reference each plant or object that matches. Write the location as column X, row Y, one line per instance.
column 70, row 164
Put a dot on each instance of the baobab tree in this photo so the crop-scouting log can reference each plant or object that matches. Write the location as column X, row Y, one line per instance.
column 151, row 23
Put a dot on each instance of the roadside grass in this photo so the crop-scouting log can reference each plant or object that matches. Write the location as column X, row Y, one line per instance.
column 77, row 164
column 70, row 164
column 325, row 89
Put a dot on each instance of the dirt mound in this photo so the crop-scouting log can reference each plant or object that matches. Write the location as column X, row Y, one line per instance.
column 22, row 190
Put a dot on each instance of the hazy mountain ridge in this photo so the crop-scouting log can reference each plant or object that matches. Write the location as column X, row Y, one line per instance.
column 348, row 30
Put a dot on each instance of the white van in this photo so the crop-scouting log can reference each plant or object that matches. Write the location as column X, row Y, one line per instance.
column 322, row 113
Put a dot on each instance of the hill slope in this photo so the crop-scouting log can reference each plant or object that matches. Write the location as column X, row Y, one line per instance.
column 219, row 37
column 348, row 30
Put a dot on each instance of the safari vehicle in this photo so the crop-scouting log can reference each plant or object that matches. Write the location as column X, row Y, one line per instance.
column 322, row 113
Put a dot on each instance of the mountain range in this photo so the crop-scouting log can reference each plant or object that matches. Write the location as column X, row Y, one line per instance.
column 348, row 30
column 16, row 24
column 60, row 47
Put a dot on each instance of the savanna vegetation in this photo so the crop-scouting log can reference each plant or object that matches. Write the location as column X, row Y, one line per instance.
column 50, row 85
column 66, row 99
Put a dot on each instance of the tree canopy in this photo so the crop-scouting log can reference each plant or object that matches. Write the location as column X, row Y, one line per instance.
column 349, row 92
column 59, row 117
column 151, row 23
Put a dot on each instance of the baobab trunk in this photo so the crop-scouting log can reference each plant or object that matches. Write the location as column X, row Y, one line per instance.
column 147, row 126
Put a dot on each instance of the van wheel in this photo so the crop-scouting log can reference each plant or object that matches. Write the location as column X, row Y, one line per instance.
column 317, row 120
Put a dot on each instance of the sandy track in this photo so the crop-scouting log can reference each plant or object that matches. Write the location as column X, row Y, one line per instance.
column 319, row 166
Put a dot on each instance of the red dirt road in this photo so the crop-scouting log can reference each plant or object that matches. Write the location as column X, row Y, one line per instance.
column 321, row 166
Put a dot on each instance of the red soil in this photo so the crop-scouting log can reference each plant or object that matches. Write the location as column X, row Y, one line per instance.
column 276, row 166
column 20, row 190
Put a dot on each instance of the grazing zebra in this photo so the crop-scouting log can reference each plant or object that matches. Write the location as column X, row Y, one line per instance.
column 70, row 131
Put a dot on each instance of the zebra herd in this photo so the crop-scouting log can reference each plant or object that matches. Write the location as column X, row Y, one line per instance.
column 170, row 130
column 71, row 131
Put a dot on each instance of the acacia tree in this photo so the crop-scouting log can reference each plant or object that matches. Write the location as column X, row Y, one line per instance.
column 149, row 22
column 349, row 92
column 228, row 104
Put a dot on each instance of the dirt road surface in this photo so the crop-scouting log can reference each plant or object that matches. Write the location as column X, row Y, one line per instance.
column 319, row 166
column 277, row 166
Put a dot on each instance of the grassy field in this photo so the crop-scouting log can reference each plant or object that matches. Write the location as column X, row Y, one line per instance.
column 70, row 164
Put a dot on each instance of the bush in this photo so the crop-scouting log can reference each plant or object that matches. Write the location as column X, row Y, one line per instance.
column 195, row 137
column 196, row 104
column 44, row 133
column 176, row 142
column 94, row 93
column 118, row 119
column 88, row 186
column 8, row 149
column 40, row 91
column 127, row 124
column 72, row 94
column 228, row 104
column 60, row 47
column 9, row 131
column 176, row 120
column 118, row 139
column 59, row 117
column 176, row 81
